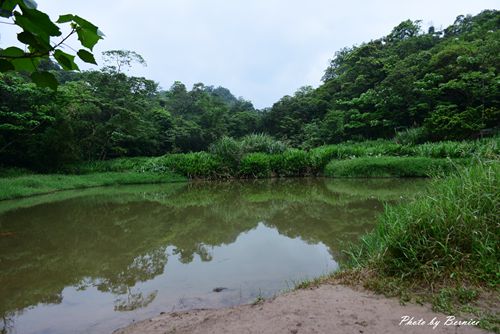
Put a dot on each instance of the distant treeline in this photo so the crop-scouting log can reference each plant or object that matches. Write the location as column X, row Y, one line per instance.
column 430, row 85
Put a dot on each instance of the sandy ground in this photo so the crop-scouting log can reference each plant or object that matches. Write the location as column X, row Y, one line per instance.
column 325, row 309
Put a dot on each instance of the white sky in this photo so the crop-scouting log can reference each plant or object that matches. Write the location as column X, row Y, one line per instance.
column 259, row 49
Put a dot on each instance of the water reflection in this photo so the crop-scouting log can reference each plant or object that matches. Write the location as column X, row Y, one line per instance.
column 117, row 254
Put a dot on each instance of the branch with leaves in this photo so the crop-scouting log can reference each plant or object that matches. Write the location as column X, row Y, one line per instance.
column 38, row 30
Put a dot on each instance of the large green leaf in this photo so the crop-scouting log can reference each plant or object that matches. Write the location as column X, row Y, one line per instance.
column 25, row 64
column 86, row 56
column 88, row 33
column 84, row 23
column 37, row 23
column 11, row 52
column 7, row 7
column 39, row 44
column 65, row 18
column 16, row 57
column 88, row 37
column 67, row 61
column 44, row 79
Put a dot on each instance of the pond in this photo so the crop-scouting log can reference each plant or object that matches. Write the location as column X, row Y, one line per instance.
column 91, row 261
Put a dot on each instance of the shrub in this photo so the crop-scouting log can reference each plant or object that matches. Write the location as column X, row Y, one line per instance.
column 231, row 151
column 256, row 165
column 486, row 148
column 322, row 155
column 293, row 162
column 389, row 167
column 262, row 143
column 114, row 165
column 192, row 165
column 412, row 136
column 228, row 150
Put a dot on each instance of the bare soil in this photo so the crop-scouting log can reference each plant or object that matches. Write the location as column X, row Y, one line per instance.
column 324, row 309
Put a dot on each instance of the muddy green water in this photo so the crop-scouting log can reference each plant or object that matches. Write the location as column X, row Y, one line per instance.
column 95, row 260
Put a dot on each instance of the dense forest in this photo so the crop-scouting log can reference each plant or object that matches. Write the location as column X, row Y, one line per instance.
column 414, row 84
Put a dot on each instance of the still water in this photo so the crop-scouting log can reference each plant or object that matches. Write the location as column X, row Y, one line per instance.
column 95, row 260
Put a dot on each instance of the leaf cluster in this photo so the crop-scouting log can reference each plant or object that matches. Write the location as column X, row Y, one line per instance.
column 38, row 33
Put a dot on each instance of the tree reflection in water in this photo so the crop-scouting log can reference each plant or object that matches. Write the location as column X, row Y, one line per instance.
column 111, row 239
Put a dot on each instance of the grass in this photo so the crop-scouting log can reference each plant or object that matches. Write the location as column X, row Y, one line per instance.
column 114, row 165
column 484, row 148
column 461, row 299
column 389, row 167
column 443, row 248
column 291, row 162
column 451, row 233
column 160, row 190
column 36, row 184
column 310, row 283
column 258, row 156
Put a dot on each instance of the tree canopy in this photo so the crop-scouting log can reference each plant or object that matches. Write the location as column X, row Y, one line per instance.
column 444, row 83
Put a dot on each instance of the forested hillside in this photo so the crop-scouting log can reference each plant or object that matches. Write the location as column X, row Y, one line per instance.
column 445, row 83
column 106, row 114
column 426, row 85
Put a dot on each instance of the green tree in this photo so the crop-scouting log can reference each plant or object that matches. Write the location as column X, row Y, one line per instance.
column 122, row 59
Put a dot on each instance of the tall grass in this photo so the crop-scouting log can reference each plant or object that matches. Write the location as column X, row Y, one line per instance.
column 412, row 136
column 114, row 165
column 484, row 148
column 450, row 233
column 262, row 143
column 390, row 167
column 292, row 162
column 231, row 150
column 192, row 165
column 229, row 158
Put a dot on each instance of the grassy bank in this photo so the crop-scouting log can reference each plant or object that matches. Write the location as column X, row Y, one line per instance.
column 36, row 184
column 485, row 148
column 442, row 248
column 391, row 167
column 229, row 158
column 259, row 156
column 452, row 232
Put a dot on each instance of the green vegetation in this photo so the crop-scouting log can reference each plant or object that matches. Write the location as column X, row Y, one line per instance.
column 442, row 247
column 413, row 85
column 38, row 34
column 412, row 103
column 260, row 156
column 389, row 167
column 419, row 85
column 450, row 233
column 28, row 185
column 229, row 158
column 101, row 115
column 484, row 148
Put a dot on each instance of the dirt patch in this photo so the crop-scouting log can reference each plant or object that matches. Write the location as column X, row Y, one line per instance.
column 325, row 309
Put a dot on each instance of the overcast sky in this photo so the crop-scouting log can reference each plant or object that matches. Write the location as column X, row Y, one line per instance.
column 259, row 49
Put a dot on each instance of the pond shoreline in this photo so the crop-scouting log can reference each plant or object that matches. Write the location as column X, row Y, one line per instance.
column 42, row 184
column 319, row 309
